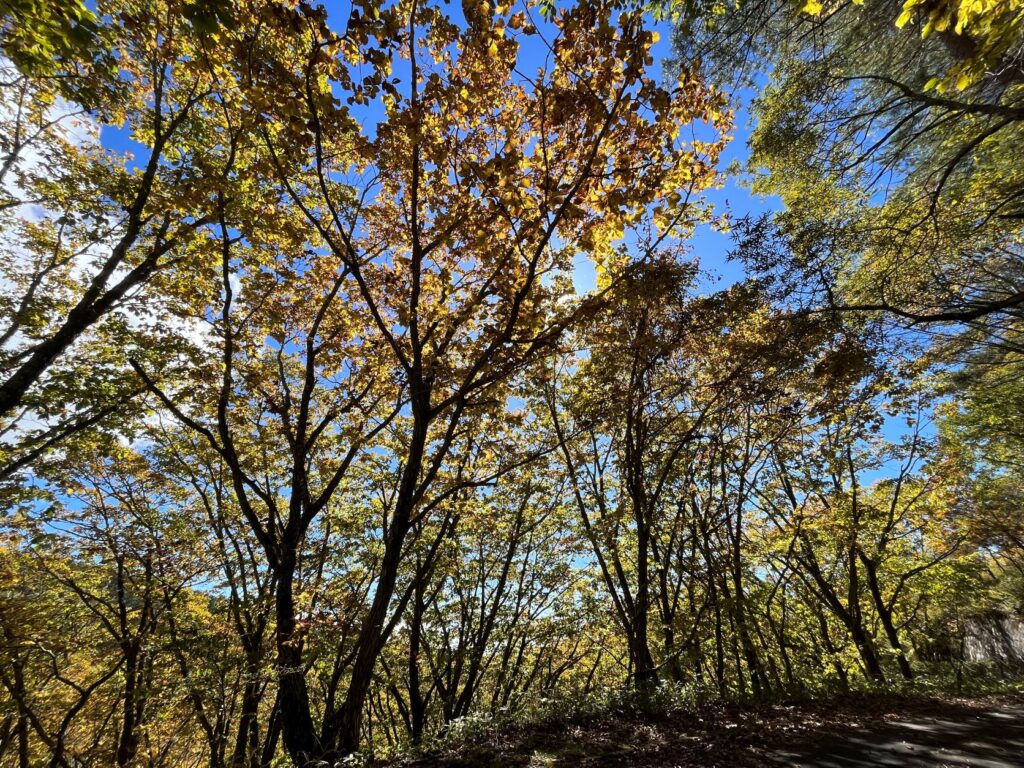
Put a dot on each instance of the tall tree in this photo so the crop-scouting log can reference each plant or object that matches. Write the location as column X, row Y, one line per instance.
column 437, row 250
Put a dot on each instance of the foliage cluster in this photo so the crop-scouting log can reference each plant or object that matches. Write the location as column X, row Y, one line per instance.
column 313, row 451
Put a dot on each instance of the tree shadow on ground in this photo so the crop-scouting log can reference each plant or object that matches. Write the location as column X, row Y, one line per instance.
column 990, row 739
column 845, row 732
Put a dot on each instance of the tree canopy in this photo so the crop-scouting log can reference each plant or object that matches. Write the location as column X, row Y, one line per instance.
column 318, row 445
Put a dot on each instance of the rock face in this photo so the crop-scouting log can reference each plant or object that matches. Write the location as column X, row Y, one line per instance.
column 995, row 638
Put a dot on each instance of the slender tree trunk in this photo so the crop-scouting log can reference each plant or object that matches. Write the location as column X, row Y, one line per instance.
column 128, row 740
column 645, row 674
column 885, row 616
column 247, row 739
column 739, row 604
column 300, row 739
column 417, row 705
column 23, row 724
column 342, row 728
column 849, row 615
column 866, row 649
column 272, row 736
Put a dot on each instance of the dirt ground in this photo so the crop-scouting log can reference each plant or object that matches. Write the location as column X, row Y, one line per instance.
column 846, row 732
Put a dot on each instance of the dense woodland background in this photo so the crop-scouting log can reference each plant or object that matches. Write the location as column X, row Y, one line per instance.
column 314, row 447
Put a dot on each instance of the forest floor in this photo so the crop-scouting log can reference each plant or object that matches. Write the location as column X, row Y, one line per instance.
column 844, row 732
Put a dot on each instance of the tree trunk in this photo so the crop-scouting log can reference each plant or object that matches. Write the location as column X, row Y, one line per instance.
column 300, row 739
column 247, row 739
column 885, row 616
column 417, row 705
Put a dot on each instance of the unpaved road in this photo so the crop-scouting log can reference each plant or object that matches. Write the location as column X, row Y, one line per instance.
column 993, row 738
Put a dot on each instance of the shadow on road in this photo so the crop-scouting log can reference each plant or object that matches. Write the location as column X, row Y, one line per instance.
column 993, row 739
